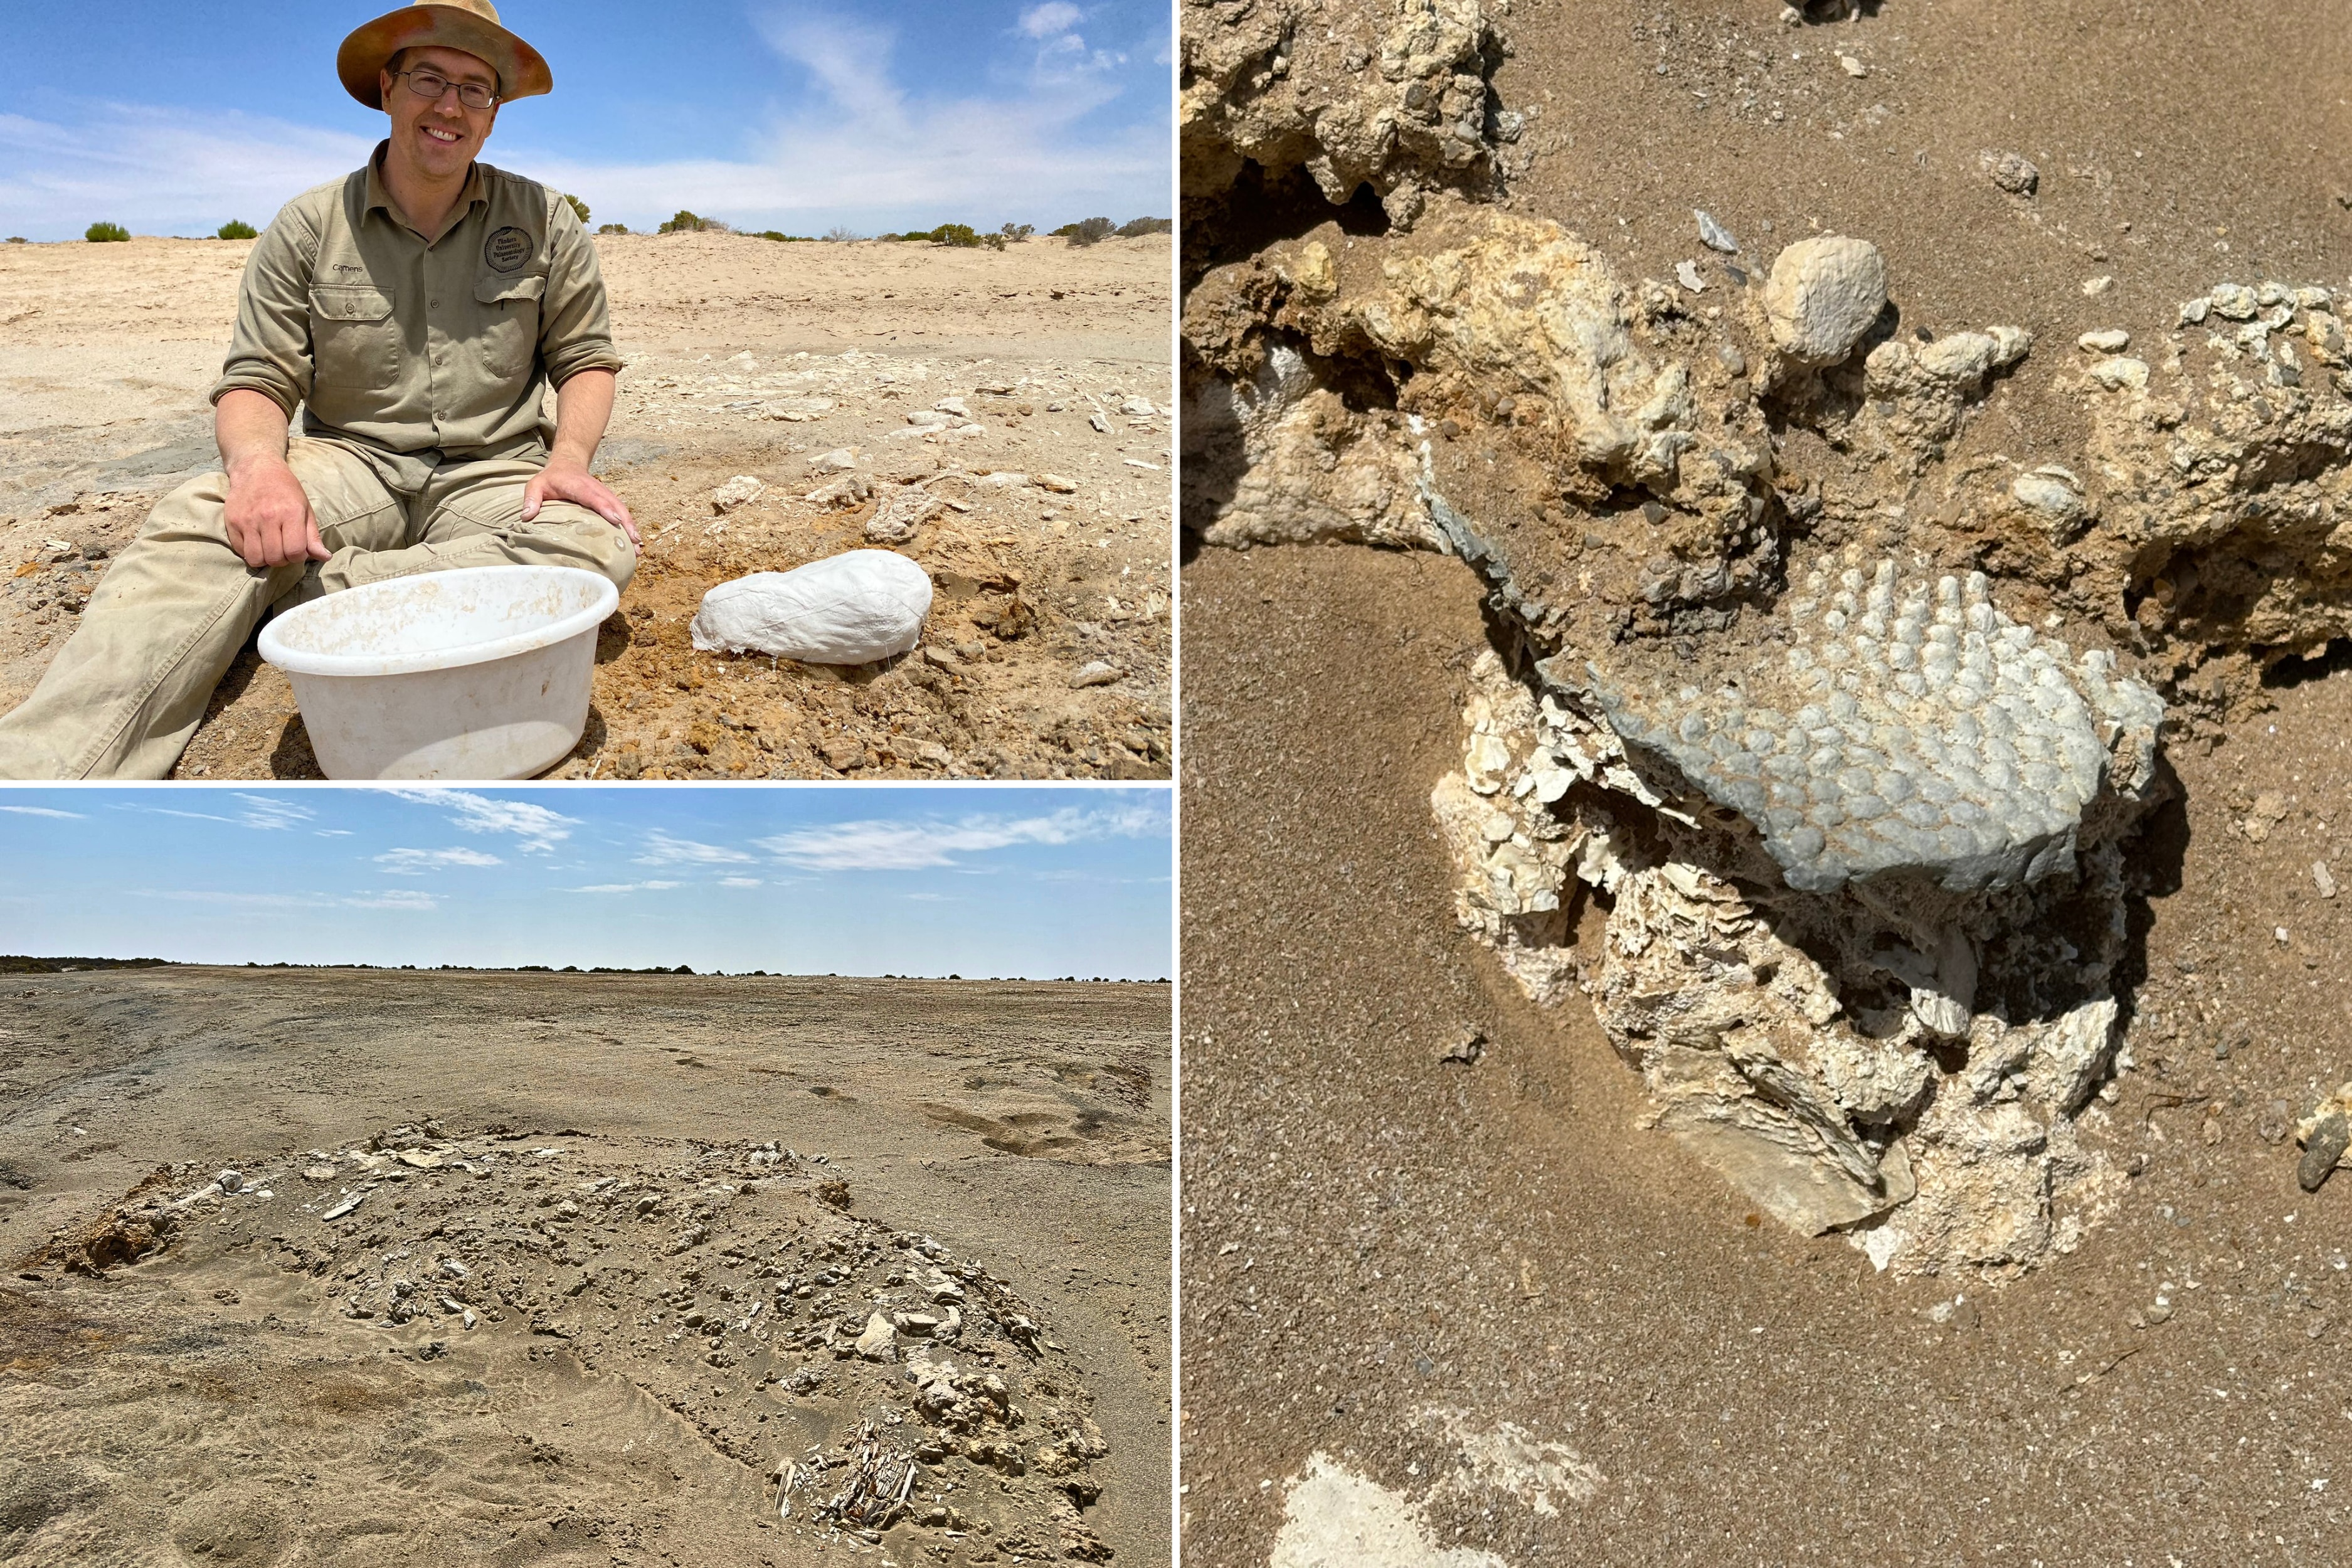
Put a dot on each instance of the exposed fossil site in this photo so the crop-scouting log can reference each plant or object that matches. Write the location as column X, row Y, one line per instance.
column 1844, row 719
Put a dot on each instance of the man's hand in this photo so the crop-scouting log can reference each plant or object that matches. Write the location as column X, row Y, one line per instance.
column 270, row 518
column 563, row 480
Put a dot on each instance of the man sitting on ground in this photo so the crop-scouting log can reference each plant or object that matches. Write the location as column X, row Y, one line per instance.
column 416, row 310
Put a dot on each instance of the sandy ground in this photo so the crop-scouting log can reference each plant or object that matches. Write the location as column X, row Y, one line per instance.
column 1373, row 1236
column 1472, row 1306
column 745, row 358
column 617, row 1240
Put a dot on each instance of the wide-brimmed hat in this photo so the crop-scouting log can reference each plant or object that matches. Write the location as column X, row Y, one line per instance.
column 468, row 25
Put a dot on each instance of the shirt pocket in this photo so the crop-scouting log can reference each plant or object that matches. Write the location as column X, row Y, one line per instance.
column 355, row 337
column 510, row 314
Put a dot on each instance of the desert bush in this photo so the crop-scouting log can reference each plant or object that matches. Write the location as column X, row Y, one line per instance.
column 581, row 208
column 1017, row 232
column 18, row 239
column 840, row 235
column 784, row 239
column 959, row 234
column 614, row 228
column 1136, row 228
column 687, row 223
column 237, row 228
column 993, row 241
column 104, row 233
column 1089, row 231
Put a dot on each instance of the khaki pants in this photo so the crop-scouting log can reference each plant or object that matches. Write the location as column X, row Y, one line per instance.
column 124, row 695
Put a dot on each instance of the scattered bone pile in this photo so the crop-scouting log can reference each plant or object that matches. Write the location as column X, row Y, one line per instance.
column 886, row 1390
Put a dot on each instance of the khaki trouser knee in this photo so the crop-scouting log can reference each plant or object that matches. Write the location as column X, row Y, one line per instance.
column 123, row 697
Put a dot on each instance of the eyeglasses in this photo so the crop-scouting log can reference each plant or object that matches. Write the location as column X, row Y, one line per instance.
column 431, row 84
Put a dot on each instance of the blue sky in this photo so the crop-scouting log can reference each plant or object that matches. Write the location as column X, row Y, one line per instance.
column 974, row 881
column 173, row 116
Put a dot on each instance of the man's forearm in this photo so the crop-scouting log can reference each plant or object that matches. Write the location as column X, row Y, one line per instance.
column 246, row 425
column 583, row 404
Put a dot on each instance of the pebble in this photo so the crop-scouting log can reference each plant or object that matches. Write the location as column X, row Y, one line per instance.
column 1096, row 673
column 1686, row 274
column 1822, row 296
column 1852, row 67
column 1712, row 235
column 2328, row 1140
column 2234, row 300
column 1056, row 483
column 737, row 491
column 2098, row 285
column 1465, row 1046
column 230, row 1181
column 2111, row 340
column 2013, row 172
column 2324, row 877
column 2276, row 1118
column 839, row 461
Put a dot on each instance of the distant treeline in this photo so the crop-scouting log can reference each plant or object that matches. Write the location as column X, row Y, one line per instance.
column 1087, row 231
column 18, row 963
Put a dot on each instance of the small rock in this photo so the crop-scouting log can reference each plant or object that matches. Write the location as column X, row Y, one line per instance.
column 2194, row 312
column 928, row 418
column 230, row 1181
column 843, row 753
column 1138, row 408
column 1852, row 67
column 2098, row 285
column 838, row 461
column 955, row 405
column 2276, row 1118
column 2112, row 340
column 1822, row 296
column 2325, row 881
column 880, row 1341
column 2047, row 493
column 2012, row 173
column 1465, row 1048
column 318, row 1174
column 1004, row 479
column 1096, row 672
column 2158, row 1311
column 2321, row 1152
column 735, row 492
column 2234, row 300
column 1101, row 424
column 1712, row 235
column 1686, row 274
column 1056, row 483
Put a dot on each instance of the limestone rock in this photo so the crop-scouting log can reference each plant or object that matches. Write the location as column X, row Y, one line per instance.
column 1822, row 296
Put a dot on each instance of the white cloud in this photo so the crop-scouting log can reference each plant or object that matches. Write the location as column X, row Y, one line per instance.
column 661, row 849
column 44, row 811
column 273, row 812
column 738, row 881
column 332, row 832
column 539, row 828
column 415, row 862
column 622, row 887
column 163, row 169
column 879, row 845
column 1045, row 21
column 395, row 898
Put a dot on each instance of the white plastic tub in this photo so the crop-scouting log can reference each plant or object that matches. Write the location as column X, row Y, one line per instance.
column 479, row 673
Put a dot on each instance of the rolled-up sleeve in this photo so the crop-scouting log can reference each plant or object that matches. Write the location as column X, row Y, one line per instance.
column 270, row 353
column 574, row 331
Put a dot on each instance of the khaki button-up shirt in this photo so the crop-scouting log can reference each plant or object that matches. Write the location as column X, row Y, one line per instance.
column 410, row 346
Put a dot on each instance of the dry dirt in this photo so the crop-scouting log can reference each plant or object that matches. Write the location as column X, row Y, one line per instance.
column 746, row 357
column 601, row 1298
column 1410, row 1267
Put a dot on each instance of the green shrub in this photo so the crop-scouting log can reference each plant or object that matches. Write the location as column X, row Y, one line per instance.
column 106, row 233
column 1015, row 231
column 237, row 228
column 1143, row 225
column 958, row 234
column 579, row 206
column 614, row 228
column 686, row 223
column 993, row 241
column 786, row 238
column 18, row 239
column 1090, row 231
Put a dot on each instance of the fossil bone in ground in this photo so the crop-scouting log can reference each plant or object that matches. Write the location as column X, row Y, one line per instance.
column 1845, row 715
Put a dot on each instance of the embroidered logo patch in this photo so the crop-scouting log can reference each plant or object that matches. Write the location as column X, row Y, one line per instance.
column 506, row 249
